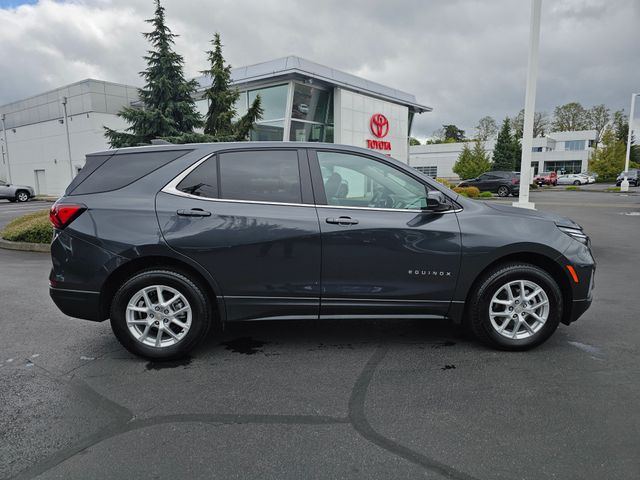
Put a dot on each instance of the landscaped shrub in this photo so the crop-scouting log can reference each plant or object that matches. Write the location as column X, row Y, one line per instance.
column 33, row 228
column 572, row 188
column 533, row 186
column 613, row 189
column 486, row 194
column 444, row 182
column 471, row 192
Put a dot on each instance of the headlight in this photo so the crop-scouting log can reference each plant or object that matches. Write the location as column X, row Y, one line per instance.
column 576, row 234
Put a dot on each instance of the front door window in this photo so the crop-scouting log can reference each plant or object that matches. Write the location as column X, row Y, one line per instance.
column 356, row 181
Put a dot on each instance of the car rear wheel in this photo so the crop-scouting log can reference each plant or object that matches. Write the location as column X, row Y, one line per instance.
column 503, row 191
column 577, row 182
column 515, row 306
column 160, row 314
column 22, row 196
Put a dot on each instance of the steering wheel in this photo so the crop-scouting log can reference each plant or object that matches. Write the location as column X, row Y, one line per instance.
column 382, row 200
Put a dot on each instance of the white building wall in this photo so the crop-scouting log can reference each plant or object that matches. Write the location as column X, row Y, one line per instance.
column 444, row 155
column 352, row 114
column 43, row 146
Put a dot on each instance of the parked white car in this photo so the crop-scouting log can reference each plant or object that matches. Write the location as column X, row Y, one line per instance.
column 573, row 179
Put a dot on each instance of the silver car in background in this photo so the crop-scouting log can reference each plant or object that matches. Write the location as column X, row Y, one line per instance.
column 573, row 179
column 16, row 193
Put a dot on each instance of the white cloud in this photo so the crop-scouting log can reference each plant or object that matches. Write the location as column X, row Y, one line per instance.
column 465, row 58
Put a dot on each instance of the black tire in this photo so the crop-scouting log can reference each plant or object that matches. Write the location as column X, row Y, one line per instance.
column 577, row 182
column 503, row 191
column 22, row 196
column 479, row 303
column 192, row 291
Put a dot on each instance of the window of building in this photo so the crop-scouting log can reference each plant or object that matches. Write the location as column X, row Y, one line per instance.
column 573, row 145
column 273, row 101
column 202, row 181
column 431, row 171
column 536, row 149
column 311, row 114
column 267, row 131
column 260, row 175
column 562, row 167
column 353, row 180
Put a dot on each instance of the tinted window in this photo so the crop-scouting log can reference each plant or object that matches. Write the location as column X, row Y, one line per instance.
column 203, row 181
column 92, row 163
column 260, row 175
column 352, row 180
column 121, row 170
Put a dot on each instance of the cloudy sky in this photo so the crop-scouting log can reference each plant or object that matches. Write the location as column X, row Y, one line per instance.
column 465, row 58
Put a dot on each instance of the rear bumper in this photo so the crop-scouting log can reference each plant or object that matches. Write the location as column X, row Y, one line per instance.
column 77, row 303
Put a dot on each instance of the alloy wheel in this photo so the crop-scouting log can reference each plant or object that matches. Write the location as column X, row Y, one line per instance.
column 503, row 191
column 158, row 316
column 23, row 197
column 519, row 309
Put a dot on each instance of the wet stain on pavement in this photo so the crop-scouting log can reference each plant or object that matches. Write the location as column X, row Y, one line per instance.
column 244, row 345
column 448, row 367
column 183, row 362
column 447, row 343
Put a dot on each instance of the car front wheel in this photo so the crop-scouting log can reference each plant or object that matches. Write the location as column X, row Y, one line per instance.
column 22, row 196
column 503, row 191
column 516, row 306
column 160, row 314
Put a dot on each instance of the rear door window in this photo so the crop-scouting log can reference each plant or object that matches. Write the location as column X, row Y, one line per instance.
column 202, row 181
column 260, row 175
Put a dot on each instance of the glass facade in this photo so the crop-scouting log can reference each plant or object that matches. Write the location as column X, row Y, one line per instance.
column 431, row 171
column 562, row 167
column 309, row 118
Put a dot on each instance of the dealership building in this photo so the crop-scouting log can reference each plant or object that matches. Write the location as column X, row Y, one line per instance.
column 46, row 137
column 563, row 152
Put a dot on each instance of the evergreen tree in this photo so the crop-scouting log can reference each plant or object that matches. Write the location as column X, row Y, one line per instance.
column 504, row 151
column 168, row 108
column 472, row 162
column 516, row 148
column 222, row 98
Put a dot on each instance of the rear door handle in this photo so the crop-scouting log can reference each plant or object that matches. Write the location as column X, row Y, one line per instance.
column 194, row 212
column 342, row 221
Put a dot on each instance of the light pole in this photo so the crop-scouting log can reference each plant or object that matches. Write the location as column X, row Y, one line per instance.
column 624, row 186
column 529, row 107
column 6, row 148
column 66, row 126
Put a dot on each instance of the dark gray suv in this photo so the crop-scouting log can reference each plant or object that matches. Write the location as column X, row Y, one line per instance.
column 167, row 240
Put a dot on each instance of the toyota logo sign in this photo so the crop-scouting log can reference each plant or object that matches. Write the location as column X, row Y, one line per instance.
column 379, row 125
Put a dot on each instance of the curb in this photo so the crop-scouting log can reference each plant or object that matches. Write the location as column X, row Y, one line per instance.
column 25, row 246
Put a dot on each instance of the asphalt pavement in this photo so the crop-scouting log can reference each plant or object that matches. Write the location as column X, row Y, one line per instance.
column 330, row 399
column 10, row 210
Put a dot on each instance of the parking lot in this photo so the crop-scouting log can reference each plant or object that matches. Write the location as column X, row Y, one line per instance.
column 330, row 399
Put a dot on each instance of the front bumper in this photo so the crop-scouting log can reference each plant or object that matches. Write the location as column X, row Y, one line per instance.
column 77, row 303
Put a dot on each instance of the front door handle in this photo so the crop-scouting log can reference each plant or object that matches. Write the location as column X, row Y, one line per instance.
column 342, row 221
column 194, row 212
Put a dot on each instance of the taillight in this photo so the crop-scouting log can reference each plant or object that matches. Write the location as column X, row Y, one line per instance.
column 62, row 215
column 515, row 181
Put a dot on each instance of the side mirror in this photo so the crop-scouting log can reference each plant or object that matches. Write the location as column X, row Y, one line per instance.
column 436, row 202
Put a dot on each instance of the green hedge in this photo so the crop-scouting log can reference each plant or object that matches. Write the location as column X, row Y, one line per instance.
column 33, row 228
column 486, row 194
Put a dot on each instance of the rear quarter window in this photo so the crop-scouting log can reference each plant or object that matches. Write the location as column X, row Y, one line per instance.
column 118, row 171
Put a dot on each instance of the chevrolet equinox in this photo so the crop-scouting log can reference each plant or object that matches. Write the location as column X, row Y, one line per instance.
column 165, row 240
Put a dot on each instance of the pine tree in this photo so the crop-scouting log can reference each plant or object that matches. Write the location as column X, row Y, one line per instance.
column 472, row 162
column 222, row 97
column 168, row 108
column 503, row 153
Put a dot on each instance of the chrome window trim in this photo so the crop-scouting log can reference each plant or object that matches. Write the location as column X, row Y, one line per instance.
column 172, row 189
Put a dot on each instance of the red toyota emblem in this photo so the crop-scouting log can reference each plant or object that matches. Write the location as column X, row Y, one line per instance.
column 379, row 125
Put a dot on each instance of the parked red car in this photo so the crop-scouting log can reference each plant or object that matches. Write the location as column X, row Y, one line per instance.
column 546, row 178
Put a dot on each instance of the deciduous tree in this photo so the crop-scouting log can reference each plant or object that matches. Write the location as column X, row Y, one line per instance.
column 568, row 117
